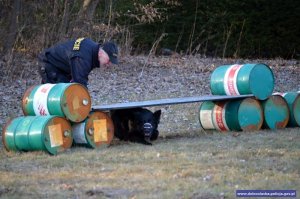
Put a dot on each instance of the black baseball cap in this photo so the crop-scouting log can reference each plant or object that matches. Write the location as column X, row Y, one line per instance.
column 112, row 50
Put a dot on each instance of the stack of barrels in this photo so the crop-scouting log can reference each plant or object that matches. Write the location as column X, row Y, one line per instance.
column 264, row 110
column 56, row 117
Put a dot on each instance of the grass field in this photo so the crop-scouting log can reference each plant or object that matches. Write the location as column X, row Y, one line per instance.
column 179, row 165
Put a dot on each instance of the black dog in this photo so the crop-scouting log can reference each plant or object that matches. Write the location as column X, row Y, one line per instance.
column 136, row 124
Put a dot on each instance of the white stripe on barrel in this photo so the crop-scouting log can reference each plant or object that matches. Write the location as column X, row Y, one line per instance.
column 279, row 93
column 219, row 117
column 230, row 80
column 206, row 120
column 40, row 98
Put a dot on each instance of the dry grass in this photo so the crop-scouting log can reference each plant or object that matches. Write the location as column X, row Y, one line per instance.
column 178, row 165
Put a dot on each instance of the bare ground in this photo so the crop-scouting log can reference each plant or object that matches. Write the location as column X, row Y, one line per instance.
column 185, row 162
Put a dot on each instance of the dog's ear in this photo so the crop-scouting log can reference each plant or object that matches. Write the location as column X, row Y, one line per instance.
column 157, row 115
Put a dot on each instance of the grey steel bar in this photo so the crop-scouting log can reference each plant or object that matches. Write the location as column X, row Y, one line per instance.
column 168, row 101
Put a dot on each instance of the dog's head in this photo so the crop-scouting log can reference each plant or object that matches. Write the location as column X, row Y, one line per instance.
column 145, row 123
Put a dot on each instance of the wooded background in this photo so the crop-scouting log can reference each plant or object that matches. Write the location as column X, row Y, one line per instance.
column 223, row 28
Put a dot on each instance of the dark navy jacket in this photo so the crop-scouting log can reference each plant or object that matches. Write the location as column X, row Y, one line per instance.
column 75, row 64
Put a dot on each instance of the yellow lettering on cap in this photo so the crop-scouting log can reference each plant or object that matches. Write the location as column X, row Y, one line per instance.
column 77, row 43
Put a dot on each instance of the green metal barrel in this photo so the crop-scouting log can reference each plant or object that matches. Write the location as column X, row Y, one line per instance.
column 70, row 100
column 219, row 116
column 250, row 114
column 95, row 131
column 276, row 112
column 34, row 133
column 205, row 115
column 256, row 79
column 293, row 101
column 234, row 115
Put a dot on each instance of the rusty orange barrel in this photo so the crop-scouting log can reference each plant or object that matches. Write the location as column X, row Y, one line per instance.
column 95, row 131
column 31, row 133
column 293, row 101
column 276, row 112
column 256, row 79
column 70, row 100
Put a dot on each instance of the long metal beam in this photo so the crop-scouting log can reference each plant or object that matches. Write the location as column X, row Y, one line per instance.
column 168, row 101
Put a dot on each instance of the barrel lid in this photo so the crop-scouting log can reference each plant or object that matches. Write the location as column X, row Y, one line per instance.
column 99, row 129
column 57, row 135
column 250, row 115
column 261, row 81
column 76, row 102
column 276, row 112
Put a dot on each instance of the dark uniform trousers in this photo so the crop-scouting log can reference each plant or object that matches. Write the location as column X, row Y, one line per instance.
column 52, row 74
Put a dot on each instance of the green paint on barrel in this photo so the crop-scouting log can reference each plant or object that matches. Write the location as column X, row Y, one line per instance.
column 234, row 115
column 21, row 135
column 256, row 79
column 276, row 112
column 70, row 100
column 46, row 133
column 250, row 115
column 231, row 115
column 245, row 114
column 293, row 101
column 205, row 115
column 54, row 99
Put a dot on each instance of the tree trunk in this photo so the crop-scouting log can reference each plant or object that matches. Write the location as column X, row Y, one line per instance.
column 65, row 19
column 13, row 26
column 84, row 21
